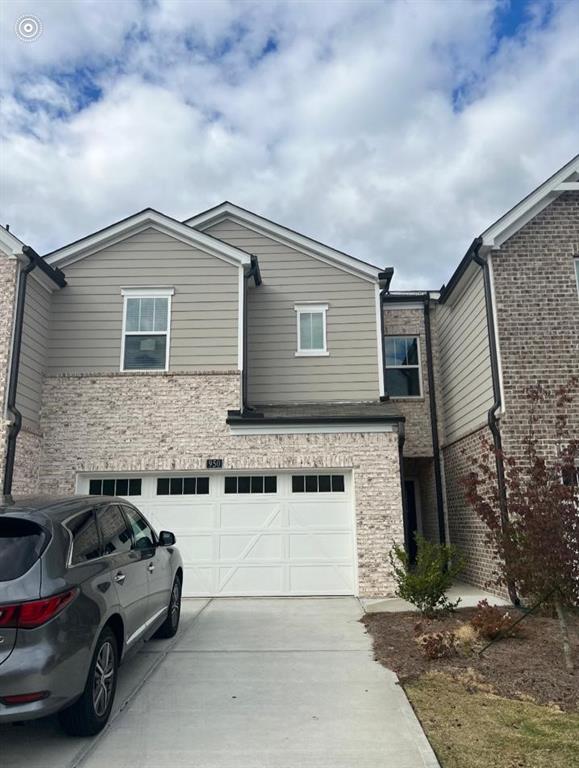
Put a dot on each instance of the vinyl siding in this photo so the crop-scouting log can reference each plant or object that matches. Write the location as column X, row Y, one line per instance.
column 465, row 366
column 33, row 352
column 86, row 318
column 290, row 276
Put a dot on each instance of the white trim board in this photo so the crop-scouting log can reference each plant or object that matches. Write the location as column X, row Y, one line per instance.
column 229, row 211
column 314, row 429
column 147, row 219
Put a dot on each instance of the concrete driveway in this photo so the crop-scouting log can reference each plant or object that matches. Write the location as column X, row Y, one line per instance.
column 247, row 683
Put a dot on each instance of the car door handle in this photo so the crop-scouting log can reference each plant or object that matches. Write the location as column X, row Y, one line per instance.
column 150, row 567
column 120, row 577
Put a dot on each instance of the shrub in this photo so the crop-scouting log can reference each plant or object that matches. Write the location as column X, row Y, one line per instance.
column 425, row 583
column 490, row 621
column 438, row 645
column 466, row 638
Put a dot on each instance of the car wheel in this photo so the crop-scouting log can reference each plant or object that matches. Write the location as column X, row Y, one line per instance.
column 89, row 714
column 171, row 624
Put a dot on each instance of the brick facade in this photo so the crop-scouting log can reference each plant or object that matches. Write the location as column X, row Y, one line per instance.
column 465, row 528
column 538, row 316
column 410, row 322
column 144, row 422
column 26, row 479
column 8, row 282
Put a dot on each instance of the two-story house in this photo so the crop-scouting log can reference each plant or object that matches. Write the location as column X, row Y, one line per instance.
column 267, row 397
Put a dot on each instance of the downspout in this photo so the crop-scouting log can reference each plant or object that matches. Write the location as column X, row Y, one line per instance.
column 492, row 417
column 12, row 410
column 401, row 441
column 434, row 423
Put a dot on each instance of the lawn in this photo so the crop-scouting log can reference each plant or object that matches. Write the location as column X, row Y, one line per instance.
column 512, row 707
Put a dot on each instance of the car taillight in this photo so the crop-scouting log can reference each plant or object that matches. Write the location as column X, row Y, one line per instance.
column 24, row 698
column 34, row 613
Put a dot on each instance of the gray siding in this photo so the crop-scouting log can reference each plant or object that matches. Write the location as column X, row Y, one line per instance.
column 276, row 375
column 465, row 367
column 33, row 353
column 86, row 322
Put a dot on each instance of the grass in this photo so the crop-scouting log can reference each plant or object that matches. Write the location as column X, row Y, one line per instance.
column 470, row 727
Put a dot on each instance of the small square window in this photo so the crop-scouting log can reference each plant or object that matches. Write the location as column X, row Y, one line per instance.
column 108, row 487
column 230, row 485
column 324, row 484
column 135, row 487
column 271, row 484
column 176, row 486
column 122, row 488
column 311, row 484
column 163, row 486
column 95, row 487
column 298, row 483
column 337, row 483
column 202, row 486
column 189, row 485
column 243, row 484
column 257, row 484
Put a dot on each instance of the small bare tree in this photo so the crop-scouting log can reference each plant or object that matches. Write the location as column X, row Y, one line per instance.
column 537, row 548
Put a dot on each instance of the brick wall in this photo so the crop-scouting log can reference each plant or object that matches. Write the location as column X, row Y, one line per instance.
column 144, row 422
column 8, row 280
column 538, row 315
column 466, row 530
column 410, row 322
column 26, row 480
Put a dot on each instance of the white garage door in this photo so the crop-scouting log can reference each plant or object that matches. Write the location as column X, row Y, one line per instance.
column 266, row 534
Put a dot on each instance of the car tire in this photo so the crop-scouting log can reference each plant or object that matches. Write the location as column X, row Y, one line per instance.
column 89, row 714
column 171, row 624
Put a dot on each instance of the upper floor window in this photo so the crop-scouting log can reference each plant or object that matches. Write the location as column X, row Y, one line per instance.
column 402, row 362
column 146, row 329
column 311, row 320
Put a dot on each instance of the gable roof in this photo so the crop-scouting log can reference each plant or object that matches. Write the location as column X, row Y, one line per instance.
column 9, row 243
column 138, row 222
column 566, row 179
column 229, row 211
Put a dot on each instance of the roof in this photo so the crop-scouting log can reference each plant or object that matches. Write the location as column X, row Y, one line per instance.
column 138, row 222
column 9, row 243
column 566, row 179
column 319, row 413
column 227, row 210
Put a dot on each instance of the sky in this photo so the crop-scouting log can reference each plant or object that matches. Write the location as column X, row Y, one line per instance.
column 395, row 131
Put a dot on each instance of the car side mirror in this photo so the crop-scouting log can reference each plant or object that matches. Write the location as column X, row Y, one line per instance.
column 166, row 539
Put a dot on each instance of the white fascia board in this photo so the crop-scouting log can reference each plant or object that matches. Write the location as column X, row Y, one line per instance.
column 313, row 429
column 42, row 279
column 9, row 244
column 285, row 236
column 138, row 223
column 531, row 205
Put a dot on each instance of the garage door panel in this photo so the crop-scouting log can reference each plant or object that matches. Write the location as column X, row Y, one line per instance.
column 195, row 548
column 253, row 546
column 324, row 514
column 244, row 579
column 182, row 516
column 198, row 581
column 250, row 515
column 321, row 546
column 322, row 579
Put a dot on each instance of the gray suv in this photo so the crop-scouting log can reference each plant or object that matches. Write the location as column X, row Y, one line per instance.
column 83, row 582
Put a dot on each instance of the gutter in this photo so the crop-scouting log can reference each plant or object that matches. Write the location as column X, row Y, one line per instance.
column 57, row 276
column 492, row 418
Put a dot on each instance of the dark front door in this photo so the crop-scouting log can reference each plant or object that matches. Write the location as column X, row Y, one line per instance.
column 410, row 487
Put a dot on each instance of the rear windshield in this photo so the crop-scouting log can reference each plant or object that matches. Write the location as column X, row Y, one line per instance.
column 21, row 544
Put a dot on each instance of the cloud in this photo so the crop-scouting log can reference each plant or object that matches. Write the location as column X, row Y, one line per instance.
column 394, row 131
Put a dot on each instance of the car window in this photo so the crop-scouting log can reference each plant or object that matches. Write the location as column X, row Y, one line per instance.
column 115, row 533
column 21, row 544
column 85, row 538
column 143, row 535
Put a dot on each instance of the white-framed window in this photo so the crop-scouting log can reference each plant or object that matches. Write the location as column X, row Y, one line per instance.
column 311, row 330
column 577, row 272
column 403, row 377
column 146, row 329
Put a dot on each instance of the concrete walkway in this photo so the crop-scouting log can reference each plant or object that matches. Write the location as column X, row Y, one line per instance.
column 247, row 683
column 469, row 597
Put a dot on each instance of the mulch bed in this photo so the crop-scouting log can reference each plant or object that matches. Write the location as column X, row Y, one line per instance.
column 527, row 666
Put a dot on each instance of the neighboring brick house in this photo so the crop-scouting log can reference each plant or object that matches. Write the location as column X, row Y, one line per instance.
column 266, row 397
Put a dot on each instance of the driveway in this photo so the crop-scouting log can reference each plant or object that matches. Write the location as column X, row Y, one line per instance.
column 247, row 683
